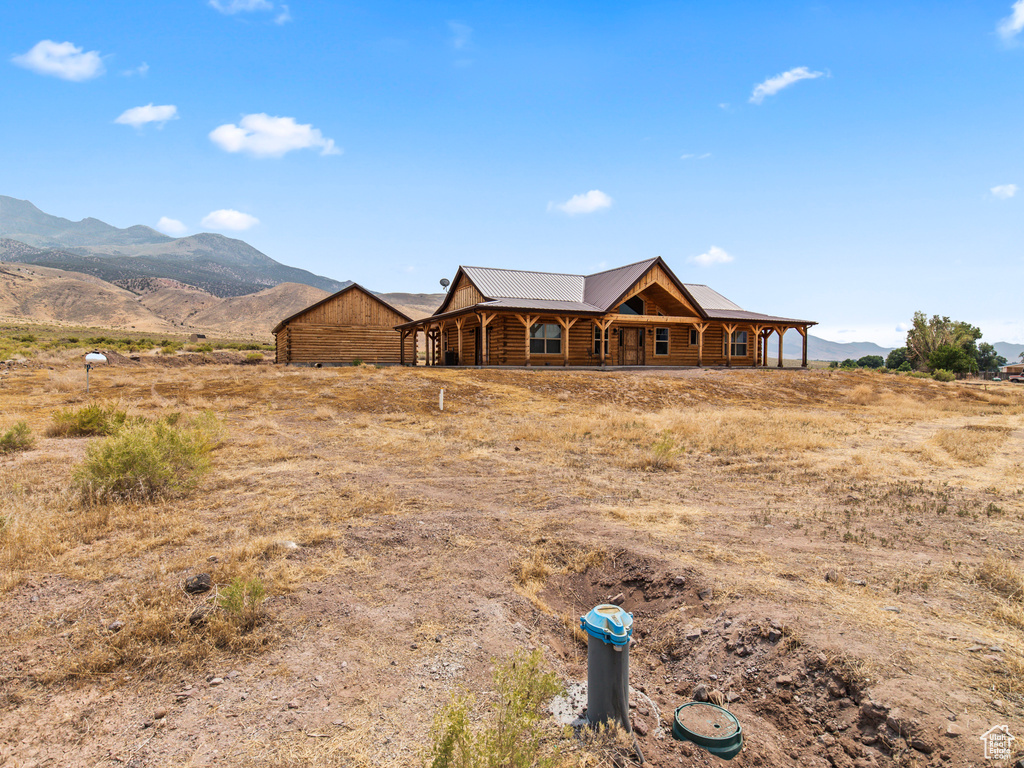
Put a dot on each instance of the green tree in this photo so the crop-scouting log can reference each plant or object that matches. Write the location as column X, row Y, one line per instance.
column 950, row 358
column 987, row 357
column 871, row 361
column 927, row 335
column 848, row 363
column 896, row 358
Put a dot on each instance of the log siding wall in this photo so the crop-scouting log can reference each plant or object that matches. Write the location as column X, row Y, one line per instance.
column 508, row 344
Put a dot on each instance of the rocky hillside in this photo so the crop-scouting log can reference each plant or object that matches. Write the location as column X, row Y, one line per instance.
column 222, row 266
column 57, row 297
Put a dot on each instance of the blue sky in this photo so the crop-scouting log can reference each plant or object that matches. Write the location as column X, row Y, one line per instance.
column 848, row 163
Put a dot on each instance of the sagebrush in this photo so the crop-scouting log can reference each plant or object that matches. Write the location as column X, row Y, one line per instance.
column 148, row 460
column 511, row 733
column 87, row 421
column 17, row 438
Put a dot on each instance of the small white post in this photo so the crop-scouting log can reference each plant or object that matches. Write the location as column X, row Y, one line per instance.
column 87, row 369
column 440, row 400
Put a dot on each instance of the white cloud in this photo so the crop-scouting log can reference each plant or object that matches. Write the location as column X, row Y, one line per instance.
column 1004, row 191
column 594, row 200
column 461, row 33
column 240, row 6
column 261, row 135
column 63, row 60
column 142, row 70
column 139, row 116
column 902, row 327
column 171, row 227
column 773, row 85
column 714, row 255
column 703, row 156
column 227, row 218
column 1010, row 26
column 284, row 16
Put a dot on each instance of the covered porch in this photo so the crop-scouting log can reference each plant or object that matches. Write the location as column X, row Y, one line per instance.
column 476, row 337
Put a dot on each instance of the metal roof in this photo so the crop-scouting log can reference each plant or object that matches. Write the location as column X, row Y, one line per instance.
column 604, row 288
column 561, row 306
column 710, row 300
column 739, row 314
column 591, row 294
column 519, row 284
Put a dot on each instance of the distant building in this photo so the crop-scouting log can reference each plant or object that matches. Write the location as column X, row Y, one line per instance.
column 348, row 326
column 637, row 315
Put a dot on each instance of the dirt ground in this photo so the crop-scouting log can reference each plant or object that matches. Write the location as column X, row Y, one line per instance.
column 837, row 555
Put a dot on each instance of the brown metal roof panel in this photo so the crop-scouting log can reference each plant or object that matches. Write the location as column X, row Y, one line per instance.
column 544, row 305
column 709, row 299
column 520, row 284
column 604, row 288
column 729, row 314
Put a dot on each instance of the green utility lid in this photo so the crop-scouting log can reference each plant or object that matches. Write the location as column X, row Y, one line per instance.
column 715, row 729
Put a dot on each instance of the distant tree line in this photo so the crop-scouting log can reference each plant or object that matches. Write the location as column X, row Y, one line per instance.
column 938, row 343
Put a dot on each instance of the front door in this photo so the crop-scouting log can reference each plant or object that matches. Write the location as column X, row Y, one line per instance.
column 631, row 346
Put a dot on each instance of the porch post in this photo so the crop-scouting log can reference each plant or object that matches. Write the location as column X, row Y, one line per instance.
column 458, row 324
column 803, row 332
column 527, row 322
column 701, row 327
column 485, row 320
column 782, row 332
column 756, row 331
column 566, row 324
column 415, row 345
column 729, row 330
column 603, row 328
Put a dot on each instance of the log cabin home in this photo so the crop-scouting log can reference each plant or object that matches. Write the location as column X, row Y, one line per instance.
column 349, row 326
column 637, row 315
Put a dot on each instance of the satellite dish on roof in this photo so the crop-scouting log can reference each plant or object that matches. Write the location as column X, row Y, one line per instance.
column 445, row 282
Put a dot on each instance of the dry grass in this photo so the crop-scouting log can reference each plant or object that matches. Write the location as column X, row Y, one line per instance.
column 1002, row 577
column 864, row 394
column 973, row 444
column 152, row 634
column 544, row 558
column 752, row 431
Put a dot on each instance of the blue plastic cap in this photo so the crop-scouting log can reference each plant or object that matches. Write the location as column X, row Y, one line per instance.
column 609, row 624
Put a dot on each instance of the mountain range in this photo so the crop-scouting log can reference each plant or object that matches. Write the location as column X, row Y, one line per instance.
column 134, row 256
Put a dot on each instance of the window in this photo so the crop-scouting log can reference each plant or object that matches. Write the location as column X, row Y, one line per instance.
column 694, row 340
column 739, row 344
column 634, row 306
column 546, row 339
column 597, row 341
column 661, row 341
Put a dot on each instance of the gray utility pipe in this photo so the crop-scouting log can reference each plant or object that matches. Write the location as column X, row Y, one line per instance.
column 610, row 629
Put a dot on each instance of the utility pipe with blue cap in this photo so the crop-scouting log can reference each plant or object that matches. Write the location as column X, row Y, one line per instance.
column 610, row 629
